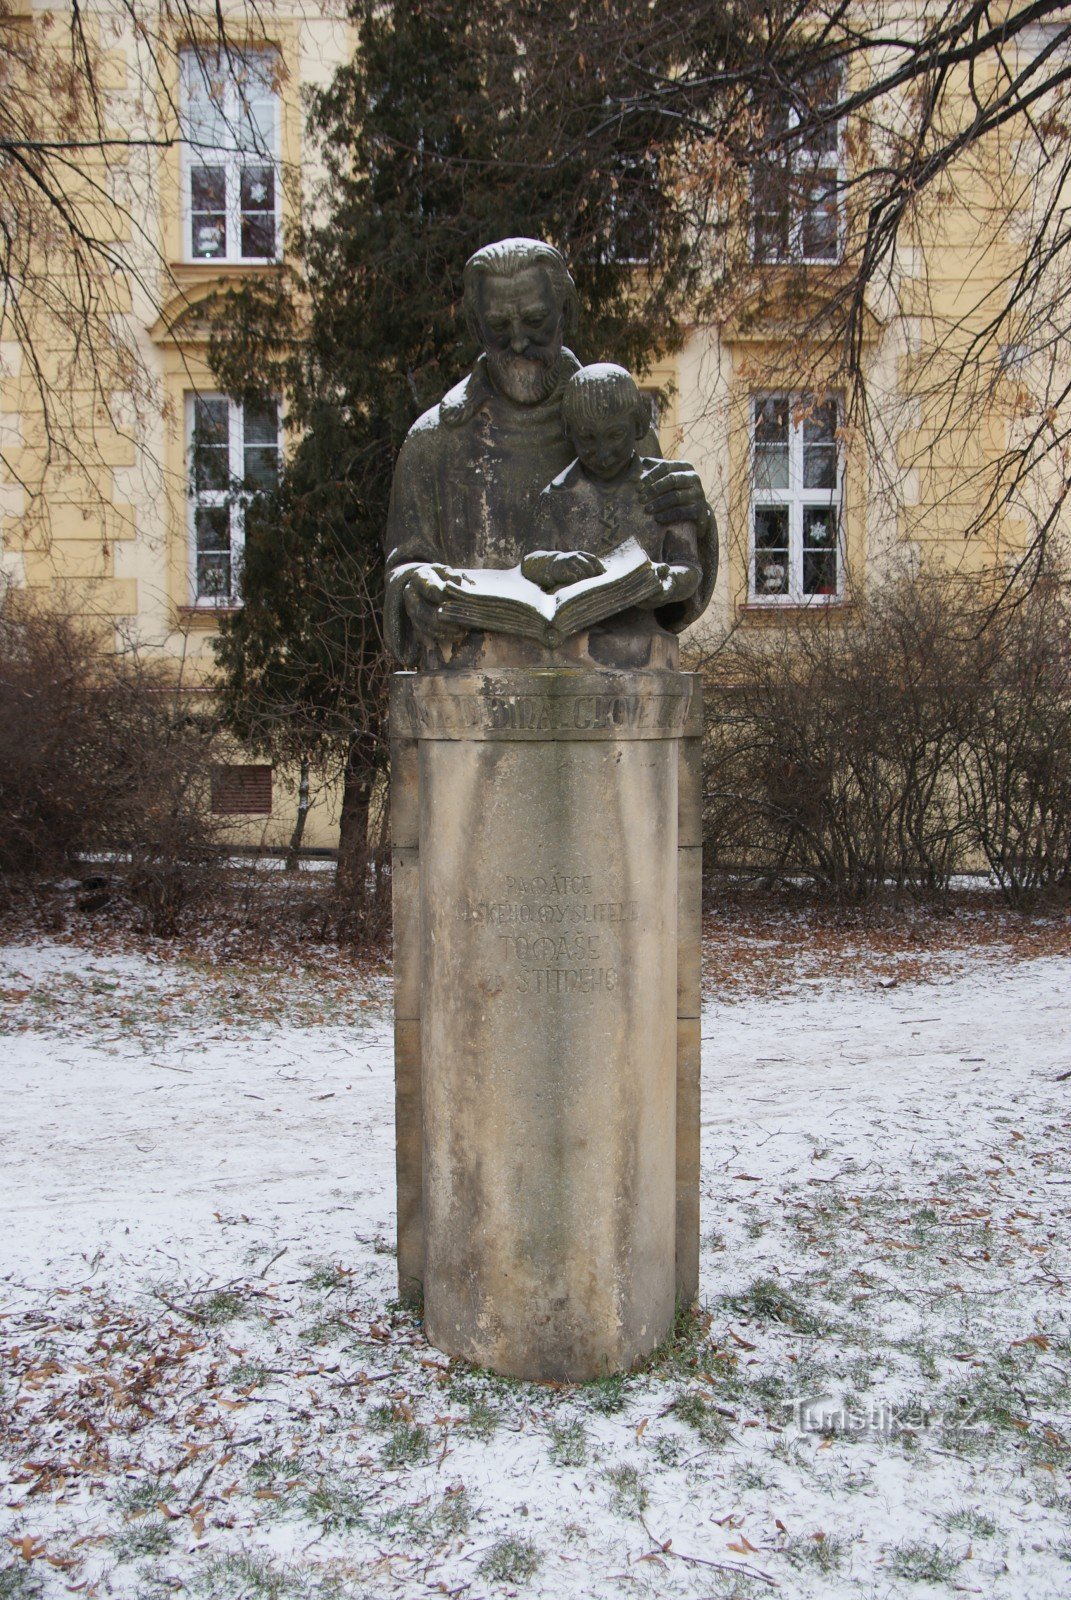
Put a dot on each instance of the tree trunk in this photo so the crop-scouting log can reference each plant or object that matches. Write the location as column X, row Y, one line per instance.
column 302, row 817
column 351, row 878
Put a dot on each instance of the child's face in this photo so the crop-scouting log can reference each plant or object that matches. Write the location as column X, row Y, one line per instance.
column 605, row 446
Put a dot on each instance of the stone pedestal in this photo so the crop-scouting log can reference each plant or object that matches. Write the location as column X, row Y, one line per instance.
column 546, row 971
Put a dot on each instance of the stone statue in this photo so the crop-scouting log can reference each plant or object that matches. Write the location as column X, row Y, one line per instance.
column 546, row 815
column 472, row 469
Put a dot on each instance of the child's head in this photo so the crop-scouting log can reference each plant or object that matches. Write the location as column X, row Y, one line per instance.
column 604, row 416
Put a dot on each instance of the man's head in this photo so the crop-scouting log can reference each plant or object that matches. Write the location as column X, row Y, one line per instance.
column 520, row 302
column 604, row 415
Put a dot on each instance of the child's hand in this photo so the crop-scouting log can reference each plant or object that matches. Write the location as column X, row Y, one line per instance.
column 553, row 569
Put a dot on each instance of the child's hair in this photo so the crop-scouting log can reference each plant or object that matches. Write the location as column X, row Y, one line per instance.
column 601, row 391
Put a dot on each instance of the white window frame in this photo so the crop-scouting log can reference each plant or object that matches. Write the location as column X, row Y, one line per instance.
column 230, row 498
column 800, row 165
column 797, row 499
column 196, row 68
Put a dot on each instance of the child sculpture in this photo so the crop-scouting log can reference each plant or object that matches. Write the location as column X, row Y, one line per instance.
column 596, row 504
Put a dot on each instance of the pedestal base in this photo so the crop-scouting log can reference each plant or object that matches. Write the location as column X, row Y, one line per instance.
column 537, row 934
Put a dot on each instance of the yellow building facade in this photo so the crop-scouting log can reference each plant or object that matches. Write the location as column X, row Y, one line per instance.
column 115, row 458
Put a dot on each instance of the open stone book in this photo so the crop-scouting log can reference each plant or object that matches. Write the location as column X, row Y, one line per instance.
column 508, row 602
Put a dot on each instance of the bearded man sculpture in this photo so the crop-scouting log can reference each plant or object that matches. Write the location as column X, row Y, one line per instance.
column 472, row 468
column 546, row 831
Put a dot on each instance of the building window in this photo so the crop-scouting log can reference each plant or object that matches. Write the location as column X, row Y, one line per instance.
column 795, row 191
column 240, row 791
column 796, row 546
column 233, row 452
column 231, row 155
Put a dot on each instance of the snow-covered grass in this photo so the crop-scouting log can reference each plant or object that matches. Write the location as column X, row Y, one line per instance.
column 207, row 1389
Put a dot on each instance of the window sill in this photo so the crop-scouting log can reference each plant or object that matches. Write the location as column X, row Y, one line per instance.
column 767, row 612
column 204, row 617
column 194, row 272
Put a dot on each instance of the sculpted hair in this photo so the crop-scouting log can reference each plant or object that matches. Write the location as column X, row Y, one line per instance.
column 603, row 390
column 509, row 257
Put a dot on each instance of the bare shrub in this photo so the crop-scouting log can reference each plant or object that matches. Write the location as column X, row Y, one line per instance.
column 1015, row 772
column 834, row 740
column 100, row 755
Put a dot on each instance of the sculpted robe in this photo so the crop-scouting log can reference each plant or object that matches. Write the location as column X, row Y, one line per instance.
column 465, row 489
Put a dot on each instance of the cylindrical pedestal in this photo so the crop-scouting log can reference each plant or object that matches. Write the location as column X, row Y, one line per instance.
column 548, row 913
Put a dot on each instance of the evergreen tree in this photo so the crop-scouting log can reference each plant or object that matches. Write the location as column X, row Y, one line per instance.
column 452, row 126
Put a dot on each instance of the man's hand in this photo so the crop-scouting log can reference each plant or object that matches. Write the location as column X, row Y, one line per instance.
column 553, row 569
column 424, row 593
column 673, row 493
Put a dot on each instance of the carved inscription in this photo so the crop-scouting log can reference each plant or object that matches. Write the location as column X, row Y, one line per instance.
column 552, row 934
column 532, row 714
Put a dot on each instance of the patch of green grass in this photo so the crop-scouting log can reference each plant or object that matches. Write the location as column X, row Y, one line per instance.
column 406, row 1443
column 335, row 1504
column 667, row 1448
column 248, row 1375
column 481, row 1419
column 628, row 1492
column 918, row 1562
column 19, row 1582
column 821, row 1552
column 696, row 1412
column 142, row 1496
column 608, row 1394
column 568, row 1444
column 248, row 1577
column 327, row 1276
column 713, row 1241
column 268, row 1470
column 511, row 1560
column 327, row 1330
column 222, row 1305
column 752, row 1478
column 967, row 1520
column 766, row 1300
column 448, row 1519
column 147, row 1536
column 687, row 1346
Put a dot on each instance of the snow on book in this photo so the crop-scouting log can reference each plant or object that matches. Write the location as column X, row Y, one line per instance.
column 507, row 602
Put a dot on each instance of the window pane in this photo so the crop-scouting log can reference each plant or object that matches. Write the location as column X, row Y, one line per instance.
column 262, row 424
column 258, row 189
column 819, row 550
column 208, row 206
column 208, row 188
column 771, row 550
column 818, row 222
column 819, row 572
column 822, row 90
column 258, row 235
column 771, row 443
column 261, row 467
column 212, row 527
column 213, row 577
column 771, row 420
column 770, row 200
column 258, row 211
column 820, row 448
column 771, row 466
column 262, row 446
column 205, row 122
column 256, row 128
column 211, row 463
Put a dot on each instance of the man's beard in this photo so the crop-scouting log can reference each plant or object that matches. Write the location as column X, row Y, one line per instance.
column 526, row 379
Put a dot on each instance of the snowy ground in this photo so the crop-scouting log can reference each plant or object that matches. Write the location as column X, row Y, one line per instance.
column 205, row 1389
